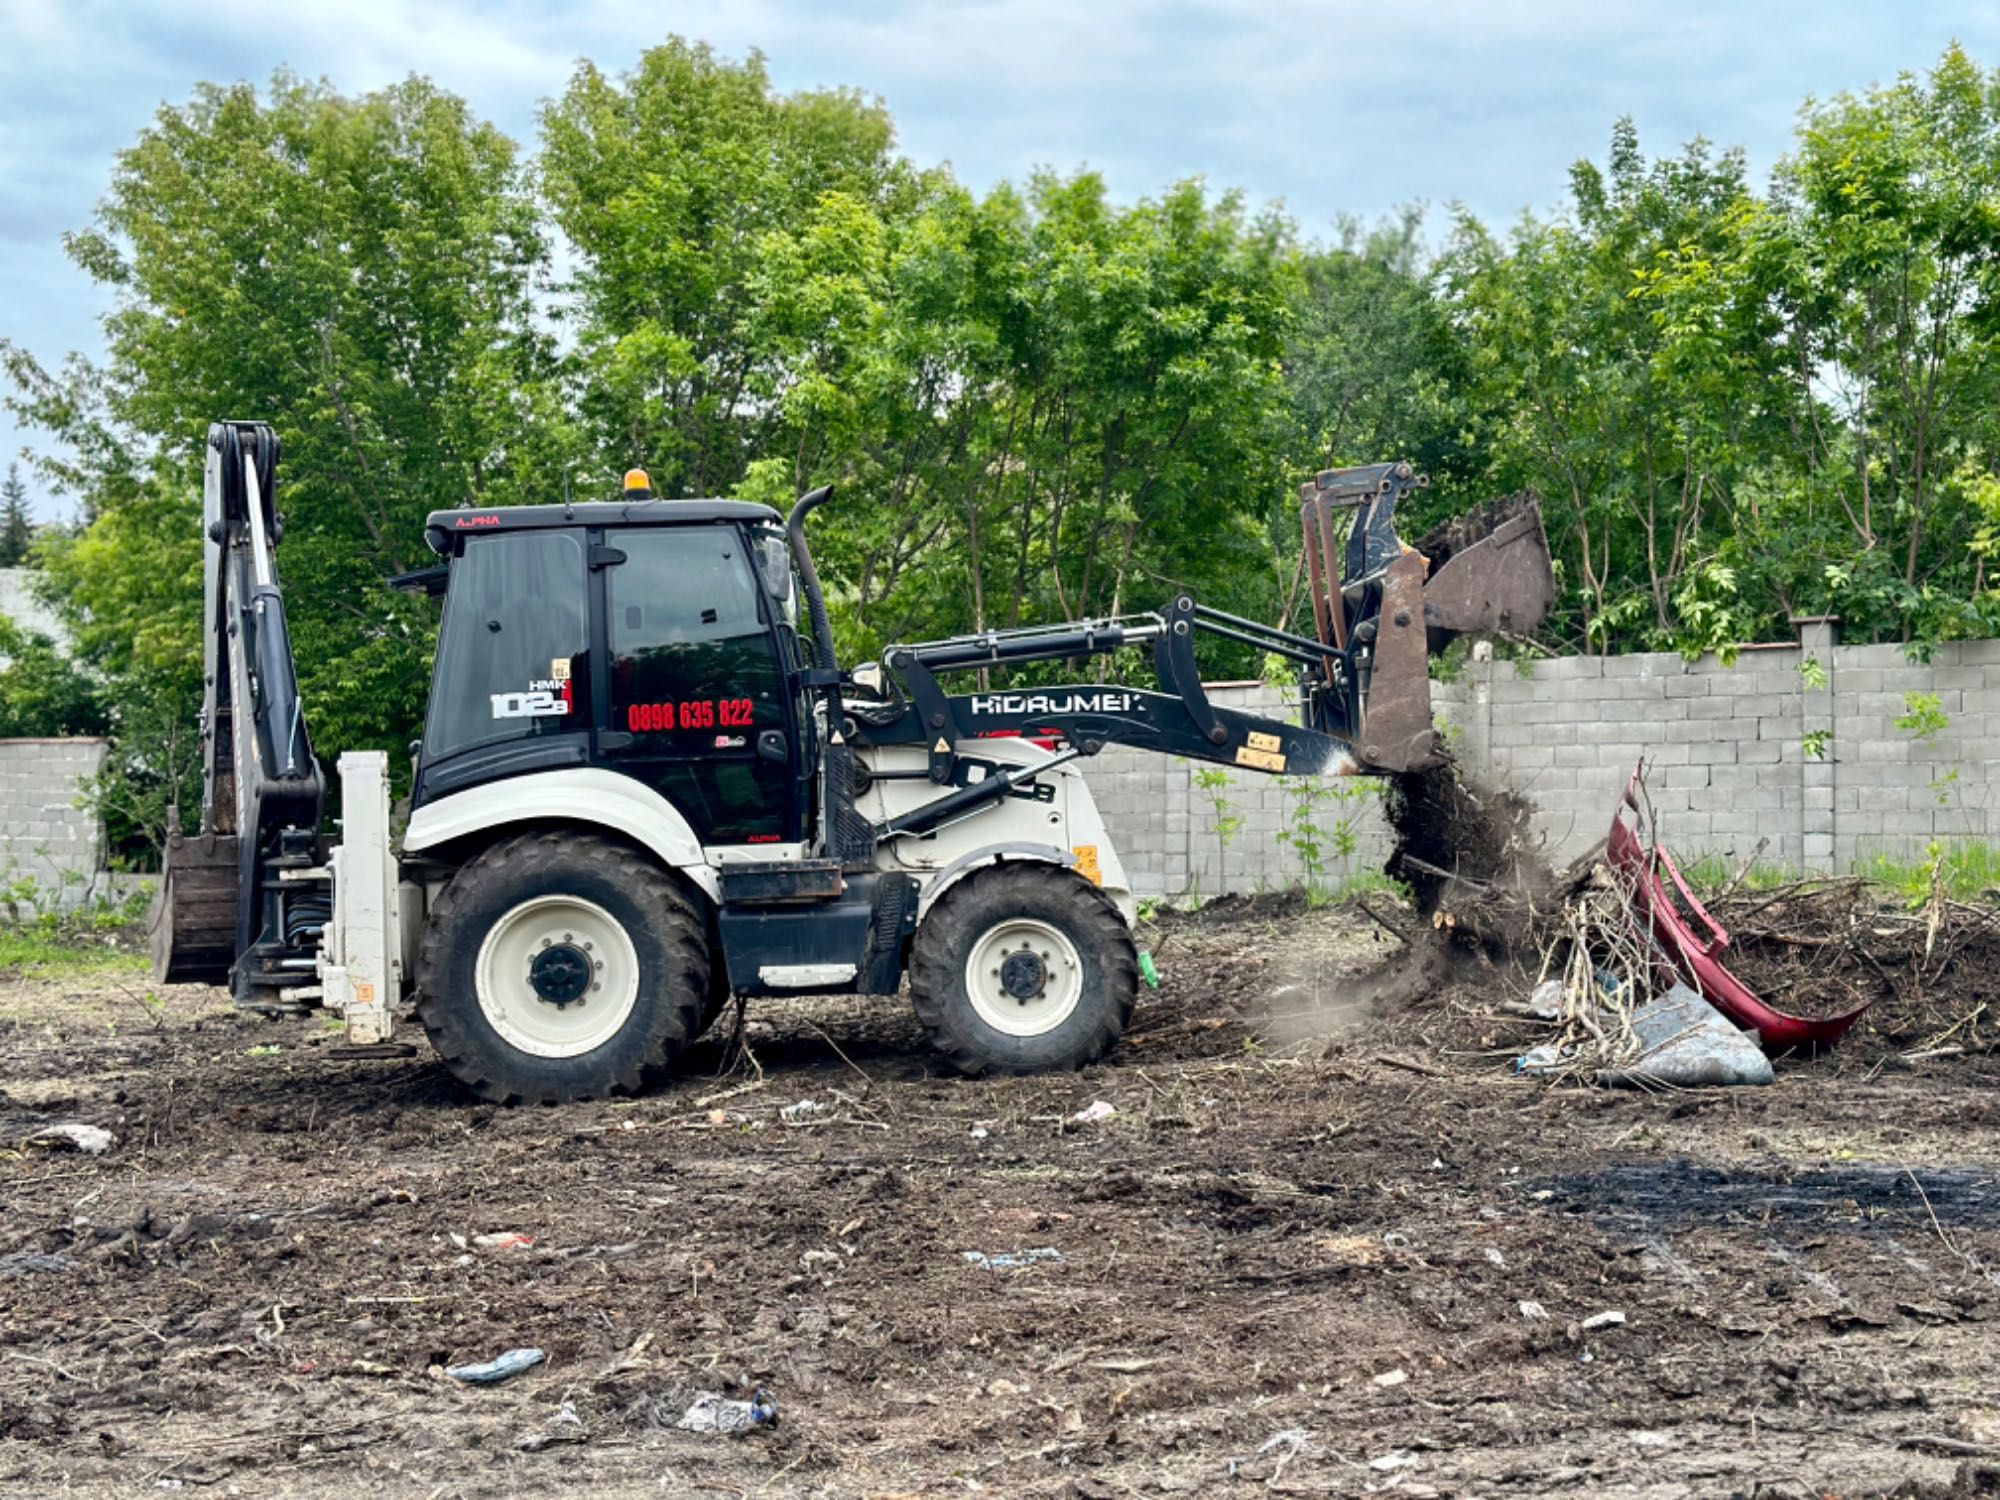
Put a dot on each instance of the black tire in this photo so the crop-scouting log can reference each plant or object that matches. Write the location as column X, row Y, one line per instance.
column 666, row 934
column 719, row 1001
column 983, row 903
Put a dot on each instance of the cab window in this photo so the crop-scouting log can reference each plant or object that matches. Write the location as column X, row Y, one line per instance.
column 514, row 626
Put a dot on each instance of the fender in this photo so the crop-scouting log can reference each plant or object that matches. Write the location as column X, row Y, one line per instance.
column 993, row 854
column 582, row 795
column 979, row 859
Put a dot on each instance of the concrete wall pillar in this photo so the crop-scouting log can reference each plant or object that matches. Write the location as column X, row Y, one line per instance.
column 1819, row 830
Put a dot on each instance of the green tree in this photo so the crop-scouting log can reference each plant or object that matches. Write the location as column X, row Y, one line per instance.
column 17, row 533
column 358, row 271
column 1890, row 215
column 43, row 694
column 677, row 184
column 1623, row 353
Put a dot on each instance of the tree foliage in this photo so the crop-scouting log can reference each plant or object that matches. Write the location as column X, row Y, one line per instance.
column 17, row 532
column 1740, row 403
column 43, row 694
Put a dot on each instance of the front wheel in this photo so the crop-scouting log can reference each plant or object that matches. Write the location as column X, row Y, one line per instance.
column 561, row 966
column 1023, row 967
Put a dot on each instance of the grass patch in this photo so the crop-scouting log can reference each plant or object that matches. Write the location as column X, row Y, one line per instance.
column 1968, row 869
column 1707, row 873
column 38, row 954
column 1371, row 883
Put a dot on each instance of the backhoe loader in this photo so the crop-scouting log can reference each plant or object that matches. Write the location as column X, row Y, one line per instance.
column 645, row 788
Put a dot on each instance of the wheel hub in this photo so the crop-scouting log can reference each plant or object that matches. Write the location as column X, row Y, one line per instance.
column 557, row 976
column 1023, row 974
column 560, row 974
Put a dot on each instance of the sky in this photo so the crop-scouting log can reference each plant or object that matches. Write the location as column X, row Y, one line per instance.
column 1331, row 106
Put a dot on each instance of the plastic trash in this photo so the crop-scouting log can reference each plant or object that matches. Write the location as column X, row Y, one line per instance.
column 505, row 1240
column 1543, row 1059
column 1091, row 1113
column 805, row 1109
column 505, row 1367
column 710, row 1412
column 1546, row 1000
column 1016, row 1260
column 71, row 1135
column 1148, row 972
column 1534, row 1312
column 1595, row 1321
column 33, row 1263
column 565, row 1427
column 1687, row 1043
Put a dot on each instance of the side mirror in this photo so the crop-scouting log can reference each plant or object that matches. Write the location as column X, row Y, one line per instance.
column 868, row 677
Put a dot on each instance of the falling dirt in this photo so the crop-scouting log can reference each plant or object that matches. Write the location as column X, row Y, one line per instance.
column 1367, row 1260
column 1469, row 841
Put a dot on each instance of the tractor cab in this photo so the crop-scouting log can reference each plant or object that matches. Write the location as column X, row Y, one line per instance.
column 653, row 638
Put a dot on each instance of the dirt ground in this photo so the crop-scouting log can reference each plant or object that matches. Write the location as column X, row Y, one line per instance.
column 1318, row 1249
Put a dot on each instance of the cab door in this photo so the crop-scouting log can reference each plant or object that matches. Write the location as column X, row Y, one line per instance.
column 696, row 695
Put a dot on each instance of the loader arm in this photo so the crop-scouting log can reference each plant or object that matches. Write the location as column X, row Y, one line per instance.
column 227, row 911
column 1380, row 613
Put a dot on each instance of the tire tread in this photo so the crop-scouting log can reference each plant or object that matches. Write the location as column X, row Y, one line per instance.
column 529, row 862
column 944, row 937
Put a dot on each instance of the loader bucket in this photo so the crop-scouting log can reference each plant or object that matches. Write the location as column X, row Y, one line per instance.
column 1383, row 608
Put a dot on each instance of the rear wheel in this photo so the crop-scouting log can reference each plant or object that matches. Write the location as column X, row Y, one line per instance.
column 561, row 966
column 1023, row 967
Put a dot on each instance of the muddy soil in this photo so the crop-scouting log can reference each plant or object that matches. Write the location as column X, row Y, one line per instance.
column 1325, row 1245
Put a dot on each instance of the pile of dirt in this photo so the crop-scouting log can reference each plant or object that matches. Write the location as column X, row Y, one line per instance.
column 1458, row 844
column 1267, row 1270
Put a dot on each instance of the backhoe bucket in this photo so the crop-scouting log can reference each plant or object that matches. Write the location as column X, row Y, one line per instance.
column 1383, row 608
column 194, row 924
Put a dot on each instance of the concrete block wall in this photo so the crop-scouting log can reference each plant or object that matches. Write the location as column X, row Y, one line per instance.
column 1163, row 824
column 43, row 833
column 1727, row 746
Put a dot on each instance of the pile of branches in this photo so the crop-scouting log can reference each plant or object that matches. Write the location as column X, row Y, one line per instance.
column 1822, row 947
column 1813, row 947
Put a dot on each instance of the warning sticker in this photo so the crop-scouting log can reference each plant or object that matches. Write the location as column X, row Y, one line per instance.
column 1260, row 760
column 559, row 669
column 1259, row 741
column 1086, row 863
column 943, row 746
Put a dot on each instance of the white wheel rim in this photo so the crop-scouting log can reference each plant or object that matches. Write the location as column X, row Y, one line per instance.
column 540, row 1027
column 1036, row 948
